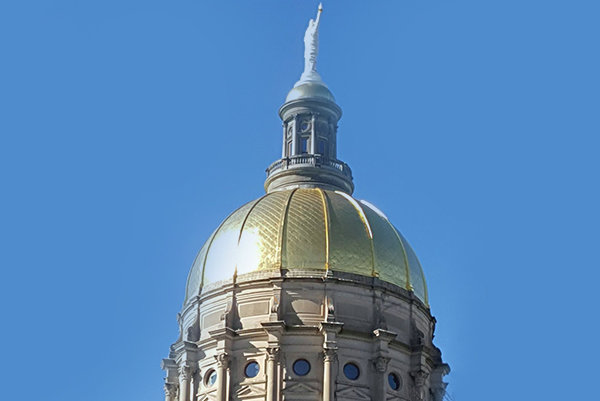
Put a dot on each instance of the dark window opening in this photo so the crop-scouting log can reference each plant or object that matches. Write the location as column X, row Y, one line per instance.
column 304, row 145
column 321, row 147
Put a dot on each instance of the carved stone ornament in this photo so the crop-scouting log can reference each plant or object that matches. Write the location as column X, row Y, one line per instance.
column 274, row 304
column 419, row 378
column 185, row 373
column 381, row 363
column 330, row 317
column 272, row 353
column 222, row 360
column 330, row 354
column 170, row 390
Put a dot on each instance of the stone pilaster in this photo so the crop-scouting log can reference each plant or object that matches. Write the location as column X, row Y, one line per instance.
column 274, row 331
column 170, row 391
column 330, row 347
column 329, row 368
column 272, row 373
column 382, row 339
column 380, row 366
column 222, row 371
column 185, row 379
column 419, row 384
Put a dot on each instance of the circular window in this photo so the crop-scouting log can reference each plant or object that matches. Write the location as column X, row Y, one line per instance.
column 252, row 369
column 304, row 126
column 394, row 381
column 351, row 371
column 301, row 367
column 210, row 378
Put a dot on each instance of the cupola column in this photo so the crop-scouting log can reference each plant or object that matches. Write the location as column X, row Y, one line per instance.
column 295, row 136
column 283, row 148
column 313, row 133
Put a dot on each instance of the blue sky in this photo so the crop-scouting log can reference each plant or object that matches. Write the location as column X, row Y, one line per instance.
column 130, row 129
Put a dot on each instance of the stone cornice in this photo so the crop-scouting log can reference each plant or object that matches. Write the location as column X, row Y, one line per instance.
column 260, row 279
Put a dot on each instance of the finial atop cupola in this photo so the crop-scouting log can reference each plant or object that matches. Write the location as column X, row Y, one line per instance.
column 310, row 116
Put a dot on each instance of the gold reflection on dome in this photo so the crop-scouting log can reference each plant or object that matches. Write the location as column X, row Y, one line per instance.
column 308, row 229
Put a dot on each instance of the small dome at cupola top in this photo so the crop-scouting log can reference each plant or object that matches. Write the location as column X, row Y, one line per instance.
column 310, row 90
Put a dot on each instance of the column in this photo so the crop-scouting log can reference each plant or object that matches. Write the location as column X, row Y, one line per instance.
column 420, row 388
column 272, row 374
column 330, row 347
column 295, row 136
column 380, row 364
column 332, row 141
column 313, row 134
column 284, row 148
column 274, row 331
column 222, row 365
column 170, row 391
column 382, row 339
column 185, row 375
column 329, row 360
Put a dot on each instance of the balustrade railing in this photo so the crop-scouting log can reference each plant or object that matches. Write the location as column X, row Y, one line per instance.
column 311, row 160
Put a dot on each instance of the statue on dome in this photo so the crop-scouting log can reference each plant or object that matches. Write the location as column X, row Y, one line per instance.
column 311, row 45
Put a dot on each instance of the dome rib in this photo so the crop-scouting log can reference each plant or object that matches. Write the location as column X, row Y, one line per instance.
column 282, row 226
column 409, row 286
column 326, row 220
column 425, row 290
column 365, row 221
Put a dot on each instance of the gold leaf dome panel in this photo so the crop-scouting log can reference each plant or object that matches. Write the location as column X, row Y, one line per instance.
column 308, row 229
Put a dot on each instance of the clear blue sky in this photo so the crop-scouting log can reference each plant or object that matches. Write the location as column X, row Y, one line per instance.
column 130, row 129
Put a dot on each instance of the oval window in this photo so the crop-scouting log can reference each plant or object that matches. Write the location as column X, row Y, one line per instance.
column 301, row 367
column 394, row 381
column 351, row 371
column 210, row 378
column 252, row 369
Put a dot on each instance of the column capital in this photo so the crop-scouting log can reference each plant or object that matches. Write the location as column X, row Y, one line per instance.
column 185, row 372
column 170, row 390
column 330, row 354
column 419, row 376
column 381, row 363
column 222, row 360
column 272, row 353
column 418, row 389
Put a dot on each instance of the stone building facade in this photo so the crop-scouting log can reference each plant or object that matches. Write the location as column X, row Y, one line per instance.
column 306, row 293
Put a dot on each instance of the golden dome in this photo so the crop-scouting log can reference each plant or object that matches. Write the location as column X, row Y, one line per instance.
column 308, row 229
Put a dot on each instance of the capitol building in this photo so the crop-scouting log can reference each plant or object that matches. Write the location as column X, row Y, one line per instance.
column 306, row 293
